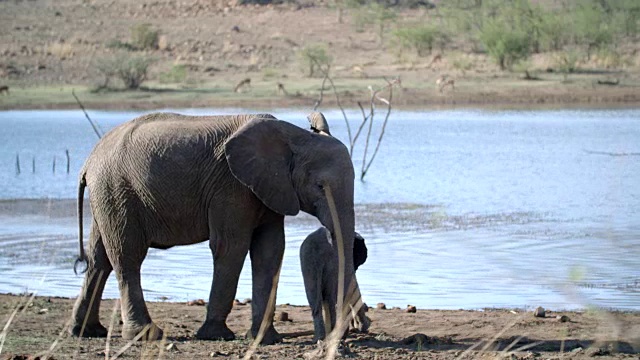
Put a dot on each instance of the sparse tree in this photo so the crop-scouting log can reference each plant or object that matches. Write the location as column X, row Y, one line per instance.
column 312, row 57
column 131, row 70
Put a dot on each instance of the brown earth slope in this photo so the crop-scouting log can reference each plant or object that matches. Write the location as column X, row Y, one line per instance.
column 48, row 48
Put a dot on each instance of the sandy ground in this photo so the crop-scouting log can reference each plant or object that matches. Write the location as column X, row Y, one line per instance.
column 39, row 325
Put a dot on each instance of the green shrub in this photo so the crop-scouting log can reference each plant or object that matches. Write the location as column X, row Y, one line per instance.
column 131, row 70
column 591, row 26
column 567, row 62
column 313, row 57
column 626, row 17
column 177, row 74
column 120, row 45
column 611, row 59
column 144, row 37
column 555, row 31
column 504, row 43
column 421, row 38
column 374, row 14
column 462, row 63
column 362, row 18
column 270, row 73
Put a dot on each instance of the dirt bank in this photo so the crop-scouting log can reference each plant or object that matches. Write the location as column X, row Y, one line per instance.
column 49, row 48
column 491, row 333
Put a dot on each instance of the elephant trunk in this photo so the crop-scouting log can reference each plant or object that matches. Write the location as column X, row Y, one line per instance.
column 341, row 223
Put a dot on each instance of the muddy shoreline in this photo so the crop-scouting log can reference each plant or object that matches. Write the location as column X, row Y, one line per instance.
column 407, row 99
column 394, row 333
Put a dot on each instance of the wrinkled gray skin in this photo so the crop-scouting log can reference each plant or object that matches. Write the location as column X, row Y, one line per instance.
column 319, row 263
column 165, row 179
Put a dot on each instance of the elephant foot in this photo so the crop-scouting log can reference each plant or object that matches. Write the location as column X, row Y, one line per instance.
column 215, row 331
column 150, row 332
column 89, row 331
column 360, row 323
column 271, row 336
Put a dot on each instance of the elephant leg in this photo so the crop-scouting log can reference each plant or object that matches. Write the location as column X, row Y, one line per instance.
column 330, row 296
column 226, row 273
column 135, row 315
column 86, row 311
column 127, row 259
column 267, row 250
column 313, row 287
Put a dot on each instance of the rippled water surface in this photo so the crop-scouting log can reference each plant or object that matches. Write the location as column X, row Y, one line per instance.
column 461, row 209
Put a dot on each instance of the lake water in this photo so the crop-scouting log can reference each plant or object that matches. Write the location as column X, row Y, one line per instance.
column 461, row 209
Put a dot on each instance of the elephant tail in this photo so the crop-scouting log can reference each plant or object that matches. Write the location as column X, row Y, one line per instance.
column 82, row 257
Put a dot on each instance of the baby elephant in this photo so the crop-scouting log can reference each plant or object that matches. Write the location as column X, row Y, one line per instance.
column 319, row 261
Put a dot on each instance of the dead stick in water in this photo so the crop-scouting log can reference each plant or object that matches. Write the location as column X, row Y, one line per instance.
column 93, row 125
column 66, row 151
column 17, row 164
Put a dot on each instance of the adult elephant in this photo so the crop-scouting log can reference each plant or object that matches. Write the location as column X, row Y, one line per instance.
column 166, row 179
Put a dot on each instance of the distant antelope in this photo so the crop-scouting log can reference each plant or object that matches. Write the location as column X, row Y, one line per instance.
column 244, row 83
column 358, row 70
column 4, row 89
column 444, row 81
column 435, row 59
column 281, row 90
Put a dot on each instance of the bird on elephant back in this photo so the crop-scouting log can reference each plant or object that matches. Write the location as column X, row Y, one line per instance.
column 166, row 179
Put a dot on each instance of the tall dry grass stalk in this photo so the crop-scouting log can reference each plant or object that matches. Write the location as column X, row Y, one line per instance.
column 268, row 316
column 86, row 316
column 131, row 342
column 339, row 244
column 112, row 323
column 55, row 343
column 21, row 305
column 353, row 293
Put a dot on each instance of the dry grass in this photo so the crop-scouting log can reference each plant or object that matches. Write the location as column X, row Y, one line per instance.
column 61, row 50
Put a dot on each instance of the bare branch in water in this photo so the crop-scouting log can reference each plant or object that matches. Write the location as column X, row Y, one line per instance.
column 93, row 125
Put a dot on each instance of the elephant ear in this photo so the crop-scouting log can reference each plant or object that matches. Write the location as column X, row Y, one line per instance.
column 359, row 251
column 260, row 157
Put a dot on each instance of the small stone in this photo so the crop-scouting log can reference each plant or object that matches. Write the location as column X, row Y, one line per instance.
column 539, row 312
column 381, row 306
column 562, row 318
column 418, row 338
column 283, row 316
column 247, row 300
column 598, row 351
column 198, row 302
column 411, row 309
column 237, row 302
column 43, row 311
column 171, row 347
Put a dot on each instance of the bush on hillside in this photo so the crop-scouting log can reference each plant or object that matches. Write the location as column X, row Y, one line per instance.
column 131, row 70
column 143, row 36
column 505, row 44
column 421, row 38
column 313, row 57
